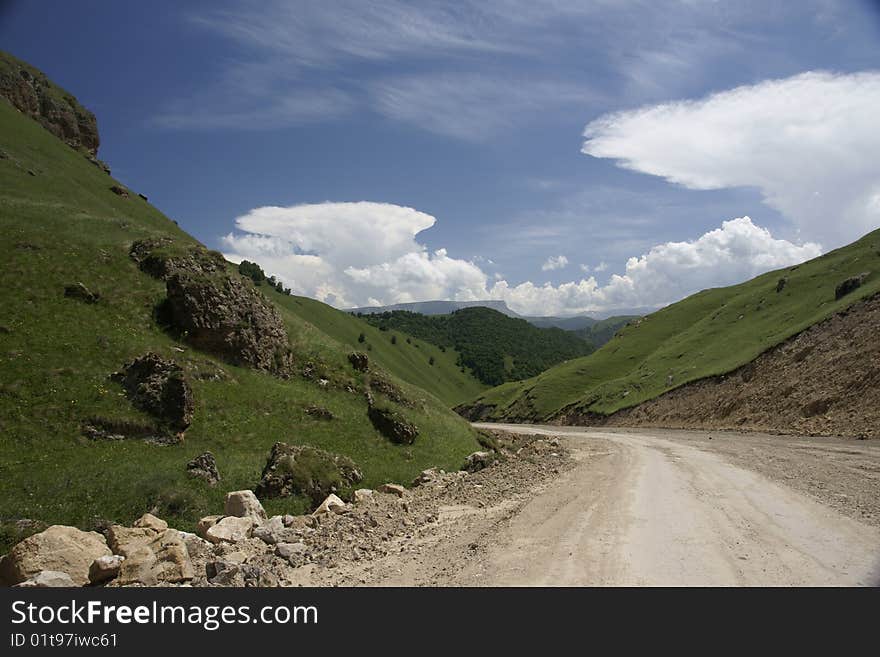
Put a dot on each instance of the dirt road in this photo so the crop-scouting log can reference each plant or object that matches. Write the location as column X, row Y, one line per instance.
column 639, row 509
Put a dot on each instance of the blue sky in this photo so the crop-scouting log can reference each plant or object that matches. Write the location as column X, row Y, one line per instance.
column 263, row 127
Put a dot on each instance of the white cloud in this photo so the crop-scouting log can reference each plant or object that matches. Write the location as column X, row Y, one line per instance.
column 808, row 142
column 585, row 268
column 555, row 262
column 602, row 266
column 737, row 251
column 353, row 254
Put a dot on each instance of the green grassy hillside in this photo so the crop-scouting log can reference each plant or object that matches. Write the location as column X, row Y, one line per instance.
column 62, row 225
column 709, row 333
column 603, row 330
column 495, row 347
column 407, row 358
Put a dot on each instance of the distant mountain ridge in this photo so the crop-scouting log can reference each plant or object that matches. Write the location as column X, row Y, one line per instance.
column 439, row 307
column 444, row 307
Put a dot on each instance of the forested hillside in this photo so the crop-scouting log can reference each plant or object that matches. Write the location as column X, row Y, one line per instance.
column 496, row 348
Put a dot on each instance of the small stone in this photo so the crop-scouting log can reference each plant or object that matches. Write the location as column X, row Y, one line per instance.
column 105, row 568
column 331, row 504
column 479, row 460
column 206, row 523
column 289, row 550
column 425, row 477
column 81, row 292
column 392, row 489
column 204, row 466
column 363, row 495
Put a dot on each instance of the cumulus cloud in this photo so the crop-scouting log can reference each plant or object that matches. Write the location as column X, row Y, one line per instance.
column 735, row 252
column 808, row 143
column 353, row 254
column 310, row 246
column 555, row 262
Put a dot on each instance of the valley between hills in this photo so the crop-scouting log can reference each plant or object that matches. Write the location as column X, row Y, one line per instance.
column 170, row 418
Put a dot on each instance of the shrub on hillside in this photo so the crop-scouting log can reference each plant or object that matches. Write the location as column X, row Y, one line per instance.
column 252, row 271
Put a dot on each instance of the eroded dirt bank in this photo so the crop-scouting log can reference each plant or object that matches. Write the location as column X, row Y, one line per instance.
column 824, row 381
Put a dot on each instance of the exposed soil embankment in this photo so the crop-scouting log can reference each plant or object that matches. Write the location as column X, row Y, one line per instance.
column 824, row 381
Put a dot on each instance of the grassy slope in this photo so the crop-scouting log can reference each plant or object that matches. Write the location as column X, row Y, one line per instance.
column 408, row 361
column 709, row 333
column 603, row 330
column 63, row 225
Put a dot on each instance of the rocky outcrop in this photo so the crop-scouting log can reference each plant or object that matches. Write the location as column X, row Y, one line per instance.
column 305, row 470
column 160, row 388
column 80, row 292
column 161, row 257
column 359, row 361
column 850, row 284
column 58, row 548
column 393, row 425
column 384, row 387
column 29, row 91
column 230, row 318
column 204, row 467
column 214, row 311
column 319, row 413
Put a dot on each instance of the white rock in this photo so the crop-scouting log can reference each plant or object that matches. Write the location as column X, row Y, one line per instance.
column 331, row 504
column 230, row 529
column 104, row 568
column 363, row 495
column 244, row 504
